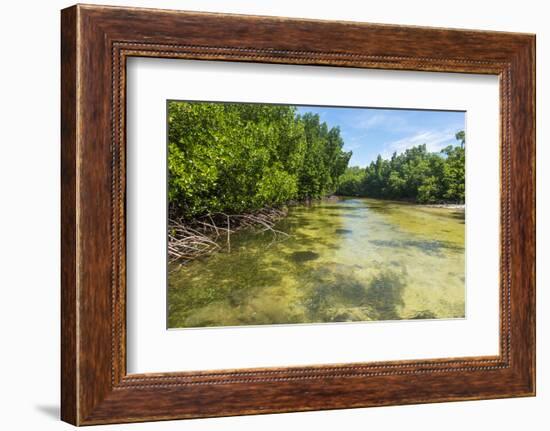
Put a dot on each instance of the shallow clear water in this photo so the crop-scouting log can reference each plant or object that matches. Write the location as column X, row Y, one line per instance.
column 345, row 260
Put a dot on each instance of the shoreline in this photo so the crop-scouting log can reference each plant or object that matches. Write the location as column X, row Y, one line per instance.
column 446, row 206
column 189, row 240
column 403, row 201
column 210, row 233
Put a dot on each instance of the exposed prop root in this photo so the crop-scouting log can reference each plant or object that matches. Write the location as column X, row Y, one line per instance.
column 188, row 240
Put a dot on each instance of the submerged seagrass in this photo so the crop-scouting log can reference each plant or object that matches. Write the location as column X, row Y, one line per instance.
column 346, row 259
column 283, row 214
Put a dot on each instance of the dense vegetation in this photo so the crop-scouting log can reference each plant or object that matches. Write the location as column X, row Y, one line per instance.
column 229, row 157
column 235, row 158
column 415, row 175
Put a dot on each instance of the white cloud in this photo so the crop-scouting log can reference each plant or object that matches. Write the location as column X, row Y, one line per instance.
column 353, row 142
column 372, row 121
column 435, row 141
column 383, row 121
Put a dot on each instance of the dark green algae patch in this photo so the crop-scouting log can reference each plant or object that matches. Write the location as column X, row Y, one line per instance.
column 389, row 261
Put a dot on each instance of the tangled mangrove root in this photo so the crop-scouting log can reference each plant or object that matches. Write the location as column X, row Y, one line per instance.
column 186, row 243
column 188, row 240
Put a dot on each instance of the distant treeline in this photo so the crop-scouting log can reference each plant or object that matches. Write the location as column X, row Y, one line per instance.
column 416, row 175
column 234, row 158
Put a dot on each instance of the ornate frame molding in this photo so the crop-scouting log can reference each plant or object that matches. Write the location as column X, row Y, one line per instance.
column 96, row 41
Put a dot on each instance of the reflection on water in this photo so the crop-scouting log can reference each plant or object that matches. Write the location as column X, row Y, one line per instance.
column 346, row 260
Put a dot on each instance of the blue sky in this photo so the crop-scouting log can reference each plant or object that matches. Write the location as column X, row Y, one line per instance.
column 368, row 132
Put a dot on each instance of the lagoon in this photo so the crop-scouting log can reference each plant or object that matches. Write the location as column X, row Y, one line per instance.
column 344, row 260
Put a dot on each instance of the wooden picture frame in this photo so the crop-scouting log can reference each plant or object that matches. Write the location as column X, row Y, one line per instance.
column 95, row 43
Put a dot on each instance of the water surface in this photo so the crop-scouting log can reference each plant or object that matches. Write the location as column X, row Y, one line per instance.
column 345, row 260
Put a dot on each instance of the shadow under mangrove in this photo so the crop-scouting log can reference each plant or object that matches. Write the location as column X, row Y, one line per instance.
column 347, row 299
column 343, row 231
column 430, row 247
column 303, row 256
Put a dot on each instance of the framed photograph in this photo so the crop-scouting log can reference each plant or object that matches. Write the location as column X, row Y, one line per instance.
column 264, row 214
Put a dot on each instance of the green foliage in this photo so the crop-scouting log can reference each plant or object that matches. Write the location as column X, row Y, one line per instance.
column 324, row 160
column 415, row 175
column 461, row 136
column 229, row 157
column 350, row 182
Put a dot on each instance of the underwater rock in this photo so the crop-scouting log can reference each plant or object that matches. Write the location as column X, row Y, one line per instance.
column 304, row 256
column 425, row 314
